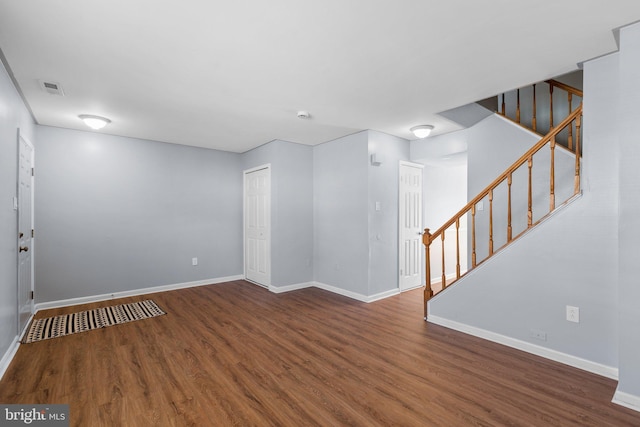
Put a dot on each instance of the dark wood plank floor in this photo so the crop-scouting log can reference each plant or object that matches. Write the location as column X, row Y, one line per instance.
column 235, row 354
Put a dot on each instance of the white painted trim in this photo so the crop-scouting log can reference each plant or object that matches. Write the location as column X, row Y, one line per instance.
column 289, row 288
column 383, row 295
column 355, row 295
column 567, row 359
column 13, row 348
column 627, row 400
column 8, row 356
column 339, row 291
column 411, row 289
column 26, row 327
column 335, row 290
column 26, row 140
column 135, row 292
column 415, row 165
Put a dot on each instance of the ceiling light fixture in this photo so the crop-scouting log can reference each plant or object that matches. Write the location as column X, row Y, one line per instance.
column 94, row 122
column 421, row 131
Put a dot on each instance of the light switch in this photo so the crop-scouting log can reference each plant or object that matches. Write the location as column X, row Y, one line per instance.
column 378, row 206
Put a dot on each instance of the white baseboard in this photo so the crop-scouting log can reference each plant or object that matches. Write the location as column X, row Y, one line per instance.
column 335, row 290
column 627, row 400
column 135, row 292
column 289, row 288
column 383, row 295
column 567, row 359
column 8, row 356
column 355, row 295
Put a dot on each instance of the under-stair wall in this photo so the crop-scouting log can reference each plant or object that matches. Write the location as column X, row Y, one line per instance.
column 519, row 297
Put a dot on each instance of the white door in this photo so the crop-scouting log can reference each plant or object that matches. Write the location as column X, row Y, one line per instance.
column 25, row 232
column 257, row 225
column 410, row 223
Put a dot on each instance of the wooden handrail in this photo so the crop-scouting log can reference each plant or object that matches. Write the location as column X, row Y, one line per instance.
column 507, row 175
column 565, row 87
column 522, row 160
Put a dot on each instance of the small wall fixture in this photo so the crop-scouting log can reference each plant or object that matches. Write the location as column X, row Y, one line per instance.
column 421, row 131
column 94, row 122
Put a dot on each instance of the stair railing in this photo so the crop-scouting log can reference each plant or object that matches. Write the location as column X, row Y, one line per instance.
column 532, row 121
column 574, row 120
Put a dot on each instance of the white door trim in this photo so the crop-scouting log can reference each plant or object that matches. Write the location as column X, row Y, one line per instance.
column 22, row 328
column 266, row 166
column 400, row 236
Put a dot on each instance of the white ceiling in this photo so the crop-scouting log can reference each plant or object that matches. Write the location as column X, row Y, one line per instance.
column 231, row 75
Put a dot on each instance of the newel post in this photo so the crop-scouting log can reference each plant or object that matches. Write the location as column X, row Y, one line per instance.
column 428, row 292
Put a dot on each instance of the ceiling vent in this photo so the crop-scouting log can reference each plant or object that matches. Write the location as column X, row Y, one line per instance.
column 52, row 88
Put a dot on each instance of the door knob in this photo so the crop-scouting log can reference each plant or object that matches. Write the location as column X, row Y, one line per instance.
column 24, row 248
column 21, row 235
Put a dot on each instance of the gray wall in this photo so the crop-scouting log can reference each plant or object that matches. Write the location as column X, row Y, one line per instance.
column 570, row 260
column 629, row 197
column 383, row 224
column 340, row 210
column 116, row 214
column 445, row 193
column 291, row 209
column 13, row 115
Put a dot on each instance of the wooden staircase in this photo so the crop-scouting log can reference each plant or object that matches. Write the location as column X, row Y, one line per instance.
column 565, row 136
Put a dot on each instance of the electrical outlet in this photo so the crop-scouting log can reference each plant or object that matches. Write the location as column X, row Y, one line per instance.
column 194, row 261
column 573, row 314
column 480, row 205
column 540, row 335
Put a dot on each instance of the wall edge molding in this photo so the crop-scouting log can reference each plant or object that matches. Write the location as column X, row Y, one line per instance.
column 355, row 295
column 547, row 353
column 627, row 400
column 8, row 356
column 335, row 290
column 289, row 288
column 134, row 292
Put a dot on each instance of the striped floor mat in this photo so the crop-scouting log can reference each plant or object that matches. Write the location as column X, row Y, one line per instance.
column 67, row 324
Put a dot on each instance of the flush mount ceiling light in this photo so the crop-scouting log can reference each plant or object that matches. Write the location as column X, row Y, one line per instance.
column 421, row 131
column 94, row 122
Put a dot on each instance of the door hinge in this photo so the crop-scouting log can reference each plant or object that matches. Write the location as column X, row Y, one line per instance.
column 32, row 295
column 33, row 233
column 33, row 172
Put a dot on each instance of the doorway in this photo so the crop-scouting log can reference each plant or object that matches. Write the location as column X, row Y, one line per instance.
column 25, row 231
column 257, row 225
column 410, row 226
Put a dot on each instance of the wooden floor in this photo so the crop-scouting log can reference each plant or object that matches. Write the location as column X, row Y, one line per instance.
column 236, row 354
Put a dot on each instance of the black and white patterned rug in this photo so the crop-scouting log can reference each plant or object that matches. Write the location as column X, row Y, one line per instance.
column 67, row 324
